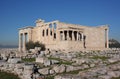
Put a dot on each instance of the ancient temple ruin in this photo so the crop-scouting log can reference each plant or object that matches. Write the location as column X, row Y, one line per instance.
column 63, row 36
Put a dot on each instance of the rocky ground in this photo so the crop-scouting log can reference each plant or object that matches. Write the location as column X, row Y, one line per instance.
column 52, row 64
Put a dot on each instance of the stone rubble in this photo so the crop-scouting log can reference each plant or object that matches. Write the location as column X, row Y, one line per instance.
column 73, row 65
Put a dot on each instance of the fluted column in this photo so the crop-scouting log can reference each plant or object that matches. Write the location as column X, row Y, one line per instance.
column 20, row 41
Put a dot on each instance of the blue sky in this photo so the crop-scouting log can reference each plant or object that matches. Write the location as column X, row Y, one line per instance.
column 15, row 14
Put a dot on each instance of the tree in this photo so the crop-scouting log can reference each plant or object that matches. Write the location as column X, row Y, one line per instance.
column 32, row 45
column 37, row 44
column 114, row 43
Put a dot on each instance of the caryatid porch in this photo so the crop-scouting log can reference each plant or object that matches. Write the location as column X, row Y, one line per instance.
column 68, row 34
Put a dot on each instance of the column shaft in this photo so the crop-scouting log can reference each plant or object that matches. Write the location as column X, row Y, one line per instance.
column 107, row 39
column 67, row 35
column 20, row 41
column 73, row 37
column 82, row 37
column 63, row 35
column 77, row 36
column 52, row 33
column 24, row 40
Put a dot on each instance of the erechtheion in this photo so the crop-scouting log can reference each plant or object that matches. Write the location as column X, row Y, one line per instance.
column 64, row 36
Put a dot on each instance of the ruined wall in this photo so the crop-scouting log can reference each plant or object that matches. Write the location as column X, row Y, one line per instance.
column 95, row 38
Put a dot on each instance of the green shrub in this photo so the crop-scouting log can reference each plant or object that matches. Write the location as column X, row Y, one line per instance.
column 49, row 77
column 32, row 45
column 115, row 78
column 6, row 75
column 100, row 57
column 114, row 43
column 61, row 61
column 37, row 44
column 28, row 59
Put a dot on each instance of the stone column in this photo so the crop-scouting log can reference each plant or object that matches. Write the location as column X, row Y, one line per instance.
column 82, row 37
column 49, row 35
column 52, row 33
column 77, row 36
column 107, row 39
column 24, row 48
column 20, row 41
column 67, row 35
column 73, row 37
column 63, row 35
column 57, row 35
column 60, row 36
column 48, row 32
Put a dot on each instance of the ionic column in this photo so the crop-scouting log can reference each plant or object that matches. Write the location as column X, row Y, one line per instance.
column 52, row 33
column 48, row 32
column 20, row 41
column 73, row 37
column 107, row 39
column 24, row 42
column 63, row 35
